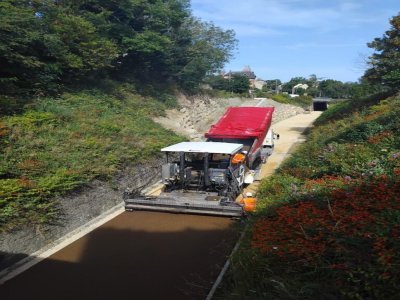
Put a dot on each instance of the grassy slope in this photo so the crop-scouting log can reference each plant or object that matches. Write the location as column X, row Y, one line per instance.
column 302, row 101
column 328, row 221
column 59, row 144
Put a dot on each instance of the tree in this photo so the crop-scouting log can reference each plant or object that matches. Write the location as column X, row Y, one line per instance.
column 332, row 88
column 313, row 91
column 271, row 85
column 362, row 89
column 72, row 44
column 210, row 48
column 19, row 33
column 159, row 40
column 46, row 44
column 43, row 45
column 288, row 86
column 148, row 34
column 312, row 81
column 300, row 91
column 385, row 62
column 218, row 82
column 239, row 84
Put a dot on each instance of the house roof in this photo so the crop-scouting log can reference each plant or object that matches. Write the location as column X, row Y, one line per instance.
column 248, row 74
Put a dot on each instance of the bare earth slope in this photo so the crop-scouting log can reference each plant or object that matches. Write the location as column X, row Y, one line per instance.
column 197, row 114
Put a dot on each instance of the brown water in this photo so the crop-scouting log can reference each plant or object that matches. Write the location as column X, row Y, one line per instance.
column 138, row 255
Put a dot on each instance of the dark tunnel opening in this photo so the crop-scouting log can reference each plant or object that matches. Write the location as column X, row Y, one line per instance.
column 320, row 106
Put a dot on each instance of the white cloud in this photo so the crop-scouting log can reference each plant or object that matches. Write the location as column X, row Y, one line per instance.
column 268, row 17
column 349, row 6
column 295, row 46
column 272, row 34
column 250, row 30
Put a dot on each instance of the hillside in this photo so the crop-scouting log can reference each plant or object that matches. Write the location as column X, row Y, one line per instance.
column 327, row 226
column 195, row 114
column 58, row 145
column 67, row 160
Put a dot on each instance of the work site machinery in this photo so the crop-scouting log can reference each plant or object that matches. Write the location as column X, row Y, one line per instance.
column 250, row 126
column 197, row 177
column 206, row 177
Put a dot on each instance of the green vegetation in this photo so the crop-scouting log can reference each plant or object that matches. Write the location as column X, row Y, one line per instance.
column 78, row 87
column 327, row 224
column 58, row 145
column 47, row 45
column 302, row 101
column 385, row 61
column 236, row 83
column 328, row 221
column 329, row 88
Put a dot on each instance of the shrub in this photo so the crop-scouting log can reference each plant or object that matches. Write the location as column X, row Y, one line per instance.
column 60, row 144
column 328, row 223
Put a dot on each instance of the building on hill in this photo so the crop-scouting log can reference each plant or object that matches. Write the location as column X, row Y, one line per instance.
column 245, row 72
column 259, row 83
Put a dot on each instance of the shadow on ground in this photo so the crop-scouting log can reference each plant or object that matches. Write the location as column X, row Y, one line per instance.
column 303, row 130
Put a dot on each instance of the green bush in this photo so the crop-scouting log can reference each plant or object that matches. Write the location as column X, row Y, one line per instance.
column 57, row 145
column 281, row 98
column 277, row 189
column 327, row 226
column 347, row 108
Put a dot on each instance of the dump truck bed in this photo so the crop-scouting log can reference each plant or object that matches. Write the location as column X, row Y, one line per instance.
column 246, row 125
column 242, row 123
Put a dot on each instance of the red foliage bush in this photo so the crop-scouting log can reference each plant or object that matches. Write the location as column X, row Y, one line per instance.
column 355, row 225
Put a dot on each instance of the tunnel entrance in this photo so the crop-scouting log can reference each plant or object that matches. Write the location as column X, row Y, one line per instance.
column 320, row 105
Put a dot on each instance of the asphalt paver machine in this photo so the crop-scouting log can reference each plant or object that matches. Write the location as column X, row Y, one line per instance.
column 199, row 178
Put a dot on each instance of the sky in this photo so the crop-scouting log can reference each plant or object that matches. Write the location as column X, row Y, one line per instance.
column 282, row 39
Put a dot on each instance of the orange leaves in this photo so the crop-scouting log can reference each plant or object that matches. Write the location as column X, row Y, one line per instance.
column 313, row 231
column 4, row 130
column 29, row 164
column 296, row 230
column 377, row 138
column 26, row 182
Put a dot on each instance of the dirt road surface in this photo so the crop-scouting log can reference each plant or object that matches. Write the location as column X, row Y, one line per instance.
column 290, row 135
column 146, row 255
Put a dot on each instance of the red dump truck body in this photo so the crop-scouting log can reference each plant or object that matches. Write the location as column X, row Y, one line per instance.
column 248, row 125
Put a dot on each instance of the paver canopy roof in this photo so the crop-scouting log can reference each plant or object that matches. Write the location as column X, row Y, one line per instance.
column 204, row 147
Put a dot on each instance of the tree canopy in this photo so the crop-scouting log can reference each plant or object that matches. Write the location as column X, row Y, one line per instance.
column 385, row 61
column 288, row 86
column 47, row 44
column 239, row 84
